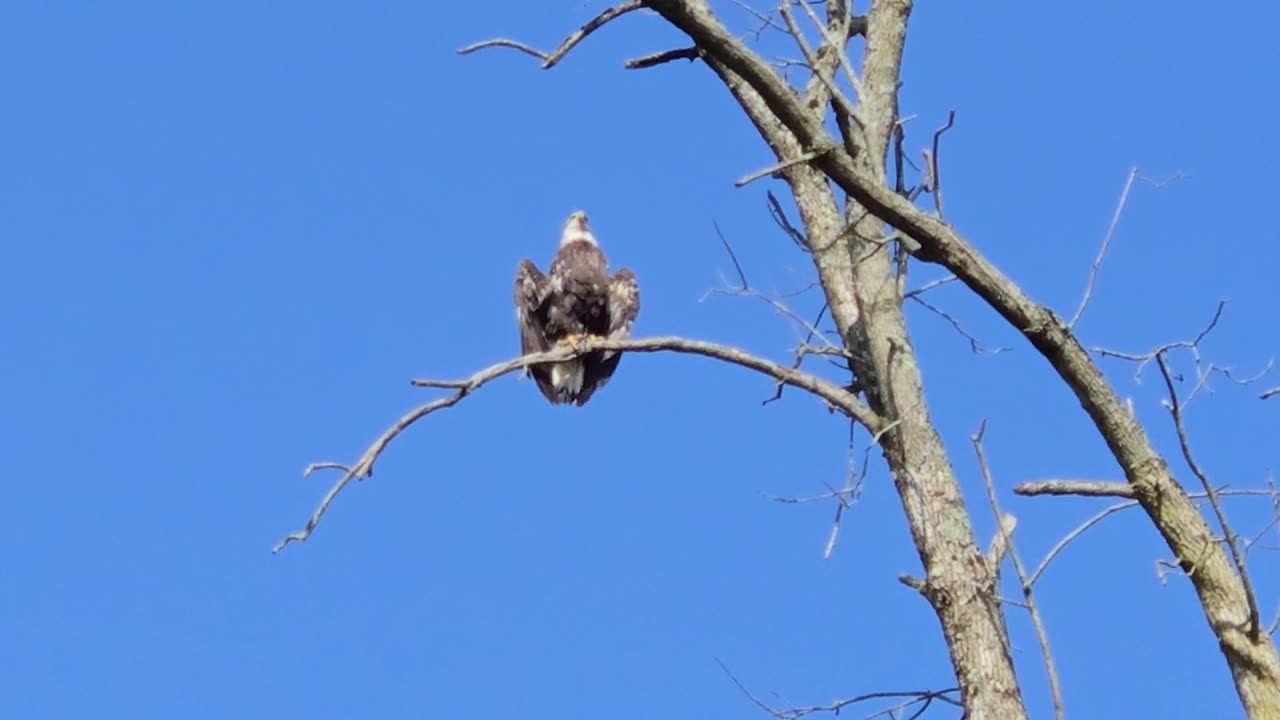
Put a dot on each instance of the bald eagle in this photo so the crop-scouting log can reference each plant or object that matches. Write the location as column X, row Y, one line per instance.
column 576, row 298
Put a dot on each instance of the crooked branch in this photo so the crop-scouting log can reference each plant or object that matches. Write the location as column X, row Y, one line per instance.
column 835, row 396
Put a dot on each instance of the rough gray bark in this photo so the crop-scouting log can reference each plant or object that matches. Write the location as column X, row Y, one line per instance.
column 858, row 286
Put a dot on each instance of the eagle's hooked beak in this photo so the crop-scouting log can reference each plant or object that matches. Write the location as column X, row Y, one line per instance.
column 576, row 230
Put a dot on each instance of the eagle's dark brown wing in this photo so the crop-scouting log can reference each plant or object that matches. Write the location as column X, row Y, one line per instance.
column 624, row 306
column 531, row 292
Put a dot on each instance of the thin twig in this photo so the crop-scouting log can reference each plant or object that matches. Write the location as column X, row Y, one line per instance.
column 933, row 161
column 1102, row 515
column 834, row 395
column 549, row 60
column 1042, row 635
column 1176, row 411
column 765, row 20
column 847, row 495
column 779, row 167
column 931, row 285
column 914, row 696
column 836, row 44
column 1102, row 251
column 1193, row 345
column 316, row 467
column 502, row 42
column 746, row 290
column 1111, row 231
column 780, row 218
column 811, row 58
column 803, row 350
column 1229, row 374
column 974, row 345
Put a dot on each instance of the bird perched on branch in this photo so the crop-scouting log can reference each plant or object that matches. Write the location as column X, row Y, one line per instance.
column 576, row 298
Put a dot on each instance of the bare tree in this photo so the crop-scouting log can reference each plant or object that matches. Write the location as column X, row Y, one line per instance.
column 863, row 230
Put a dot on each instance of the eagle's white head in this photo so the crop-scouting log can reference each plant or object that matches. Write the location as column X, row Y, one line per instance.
column 576, row 230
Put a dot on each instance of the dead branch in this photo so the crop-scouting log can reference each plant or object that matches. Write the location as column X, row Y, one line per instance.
column 805, row 350
column 1048, row 487
column 1037, row 622
column 999, row 546
column 1192, row 345
column 1087, row 488
column 779, row 167
column 550, row 60
column 912, row 697
column 1102, row 251
column 1106, row 239
column 853, row 483
column 1229, row 374
column 931, row 285
column 834, row 395
column 503, row 42
column 765, row 21
column 745, row 290
column 974, row 344
column 1175, row 409
column 780, row 218
column 936, row 172
column 666, row 56
column 834, row 41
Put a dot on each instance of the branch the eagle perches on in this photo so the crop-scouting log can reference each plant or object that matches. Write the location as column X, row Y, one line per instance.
column 835, row 396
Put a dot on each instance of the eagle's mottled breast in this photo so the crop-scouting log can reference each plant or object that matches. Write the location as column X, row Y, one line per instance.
column 576, row 299
column 580, row 301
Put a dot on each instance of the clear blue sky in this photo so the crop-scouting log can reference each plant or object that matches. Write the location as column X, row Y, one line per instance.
column 232, row 232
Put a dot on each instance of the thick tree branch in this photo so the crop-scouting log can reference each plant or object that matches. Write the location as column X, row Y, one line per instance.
column 835, row 396
column 1087, row 488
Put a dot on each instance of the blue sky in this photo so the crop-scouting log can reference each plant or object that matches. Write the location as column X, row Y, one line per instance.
column 233, row 232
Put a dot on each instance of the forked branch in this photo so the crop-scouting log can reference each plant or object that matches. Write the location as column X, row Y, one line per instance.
column 834, row 395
